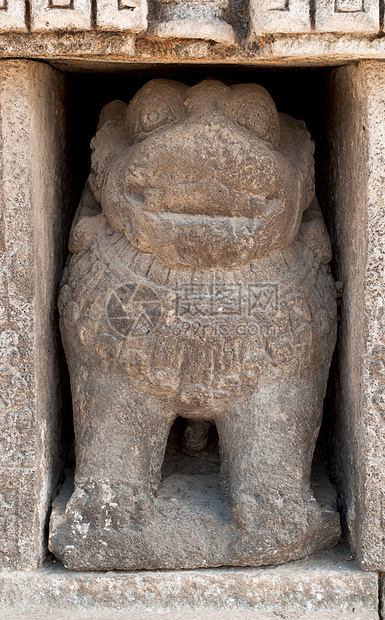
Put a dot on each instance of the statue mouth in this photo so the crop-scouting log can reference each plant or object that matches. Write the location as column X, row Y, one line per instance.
column 204, row 195
column 196, row 199
column 207, row 171
column 204, row 238
column 203, row 216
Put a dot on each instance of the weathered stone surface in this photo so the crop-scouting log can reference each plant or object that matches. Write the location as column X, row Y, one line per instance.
column 347, row 16
column 32, row 205
column 198, row 287
column 328, row 585
column 356, row 143
column 61, row 14
column 279, row 16
column 201, row 614
column 122, row 15
column 12, row 16
column 382, row 597
column 113, row 51
column 186, row 19
column 57, row 29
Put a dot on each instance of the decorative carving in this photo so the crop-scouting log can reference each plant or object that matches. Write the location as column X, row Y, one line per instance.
column 12, row 16
column 122, row 15
column 60, row 15
column 192, row 19
column 347, row 16
column 279, row 16
column 195, row 19
column 199, row 287
column 349, row 6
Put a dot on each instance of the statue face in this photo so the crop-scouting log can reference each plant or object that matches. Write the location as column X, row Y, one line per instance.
column 204, row 177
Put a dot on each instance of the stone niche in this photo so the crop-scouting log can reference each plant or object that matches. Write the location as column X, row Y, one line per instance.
column 198, row 300
column 344, row 111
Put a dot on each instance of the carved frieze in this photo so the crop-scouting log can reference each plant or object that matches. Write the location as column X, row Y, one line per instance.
column 347, row 16
column 60, row 15
column 12, row 16
column 279, row 16
column 211, row 20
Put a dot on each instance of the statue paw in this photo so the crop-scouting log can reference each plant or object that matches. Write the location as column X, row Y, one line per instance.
column 281, row 520
column 246, row 510
column 104, row 505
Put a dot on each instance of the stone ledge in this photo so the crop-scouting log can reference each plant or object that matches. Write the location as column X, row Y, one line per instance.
column 192, row 615
column 326, row 584
column 176, row 20
column 114, row 51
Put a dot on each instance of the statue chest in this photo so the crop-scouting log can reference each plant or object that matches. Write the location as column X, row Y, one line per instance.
column 217, row 331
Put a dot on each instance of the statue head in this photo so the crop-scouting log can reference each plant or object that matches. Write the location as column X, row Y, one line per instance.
column 202, row 177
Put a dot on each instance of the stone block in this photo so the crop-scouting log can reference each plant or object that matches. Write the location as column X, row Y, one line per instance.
column 382, row 597
column 356, row 204
column 122, row 15
column 357, row 16
column 198, row 614
column 12, row 15
column 326, row 587
column 32, row 142
column 60, row 15
column 208, row 20
column 279, row 16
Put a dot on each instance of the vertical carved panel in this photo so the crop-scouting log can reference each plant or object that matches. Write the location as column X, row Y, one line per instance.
column 60, row 15
column 17, row 394
column 31, row 138
column 122, row 15
column 12, row 15
column 279, row 16
column 347, row 15
column 355, row 177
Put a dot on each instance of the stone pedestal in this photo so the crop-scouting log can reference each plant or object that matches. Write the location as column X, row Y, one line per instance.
column 33, row 207
column 326, row 587
column 356, row 181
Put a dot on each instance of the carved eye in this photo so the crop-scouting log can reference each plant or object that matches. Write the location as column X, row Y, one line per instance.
column 253, row 108
column 156, row 104
column 153, row 119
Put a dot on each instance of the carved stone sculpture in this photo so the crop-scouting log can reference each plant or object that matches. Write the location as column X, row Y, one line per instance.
column 181, row 19
column 198, row 286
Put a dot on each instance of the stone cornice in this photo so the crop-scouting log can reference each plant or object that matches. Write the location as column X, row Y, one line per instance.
column 273, row 31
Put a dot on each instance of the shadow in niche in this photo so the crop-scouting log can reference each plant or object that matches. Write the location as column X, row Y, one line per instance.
column 191, row 469
column 299, row 93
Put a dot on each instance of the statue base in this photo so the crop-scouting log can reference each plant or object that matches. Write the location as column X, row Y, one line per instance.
column 191, row 527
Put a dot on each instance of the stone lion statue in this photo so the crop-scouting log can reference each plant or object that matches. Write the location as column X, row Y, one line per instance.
column 197, row 286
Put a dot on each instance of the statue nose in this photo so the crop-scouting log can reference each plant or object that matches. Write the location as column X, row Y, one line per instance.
column 208, row 116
